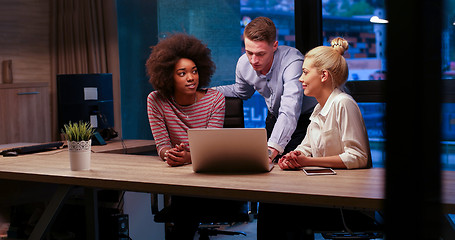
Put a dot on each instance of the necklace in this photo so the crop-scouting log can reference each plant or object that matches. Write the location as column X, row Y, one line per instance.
column 179, row 106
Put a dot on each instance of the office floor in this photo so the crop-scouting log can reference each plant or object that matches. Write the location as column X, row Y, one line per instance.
column 248, row 228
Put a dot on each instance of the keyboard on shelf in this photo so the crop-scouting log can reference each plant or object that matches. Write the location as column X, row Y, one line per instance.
column 14, row 151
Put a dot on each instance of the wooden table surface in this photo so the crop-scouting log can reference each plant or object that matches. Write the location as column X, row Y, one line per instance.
column 357, row 189
column 129, row 146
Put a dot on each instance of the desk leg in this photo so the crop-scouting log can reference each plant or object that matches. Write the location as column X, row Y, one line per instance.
column 91, row 213
column 50, row 212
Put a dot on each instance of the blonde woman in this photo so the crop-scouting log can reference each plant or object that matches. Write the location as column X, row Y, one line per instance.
column 336, row 137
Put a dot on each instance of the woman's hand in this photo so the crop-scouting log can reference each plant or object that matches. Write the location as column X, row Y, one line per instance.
column 177, row 156
column 292, row 160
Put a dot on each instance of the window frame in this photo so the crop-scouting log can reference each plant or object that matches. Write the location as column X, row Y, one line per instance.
column 308, row 36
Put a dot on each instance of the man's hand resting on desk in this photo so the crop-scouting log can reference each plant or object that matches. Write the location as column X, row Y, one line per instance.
column 177, row 156
column 272, row 154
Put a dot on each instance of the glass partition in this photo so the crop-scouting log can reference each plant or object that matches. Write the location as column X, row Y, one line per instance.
column 448, row 41
column 448, row 74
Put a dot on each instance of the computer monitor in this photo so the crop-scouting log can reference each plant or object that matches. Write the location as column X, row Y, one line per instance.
column 86, row 97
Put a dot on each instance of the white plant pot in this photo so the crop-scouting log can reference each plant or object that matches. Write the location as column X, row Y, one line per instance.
column 79, row 153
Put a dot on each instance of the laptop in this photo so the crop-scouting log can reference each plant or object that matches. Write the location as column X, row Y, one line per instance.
column 229, row 150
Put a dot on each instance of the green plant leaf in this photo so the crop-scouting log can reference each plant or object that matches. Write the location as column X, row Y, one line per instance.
column 81, row 131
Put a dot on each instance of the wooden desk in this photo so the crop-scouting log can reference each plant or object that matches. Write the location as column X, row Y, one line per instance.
column 130, row 146
column 363, row 188
column 126, row 146
column 355, row 189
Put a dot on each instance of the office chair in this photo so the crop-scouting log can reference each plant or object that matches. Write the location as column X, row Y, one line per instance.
column 233, row 116
column 230, row 212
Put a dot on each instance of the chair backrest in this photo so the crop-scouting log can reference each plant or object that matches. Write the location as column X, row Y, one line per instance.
column 233, row 117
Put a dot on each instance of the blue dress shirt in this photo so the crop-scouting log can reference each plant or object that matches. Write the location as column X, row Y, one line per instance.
column 280, row 88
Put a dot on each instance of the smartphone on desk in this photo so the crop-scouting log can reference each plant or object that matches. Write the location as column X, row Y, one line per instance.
column 314, row 171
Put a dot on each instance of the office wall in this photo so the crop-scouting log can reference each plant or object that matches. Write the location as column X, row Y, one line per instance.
column 24, row 38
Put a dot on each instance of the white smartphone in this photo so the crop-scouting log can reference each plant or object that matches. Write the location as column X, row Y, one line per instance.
column 313, row 171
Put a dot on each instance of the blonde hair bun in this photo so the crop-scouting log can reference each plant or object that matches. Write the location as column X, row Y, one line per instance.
column 340, row 45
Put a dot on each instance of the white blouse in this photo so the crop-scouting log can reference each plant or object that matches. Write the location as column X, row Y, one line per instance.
column 338, row 129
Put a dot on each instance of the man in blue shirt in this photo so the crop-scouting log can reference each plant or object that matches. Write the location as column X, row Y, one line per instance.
column 274, row 72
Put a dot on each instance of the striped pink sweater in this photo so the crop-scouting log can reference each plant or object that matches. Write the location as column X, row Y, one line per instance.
column 169, row 121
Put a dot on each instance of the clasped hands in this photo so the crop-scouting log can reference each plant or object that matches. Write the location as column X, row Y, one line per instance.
column 177, row 156
column 292, row 160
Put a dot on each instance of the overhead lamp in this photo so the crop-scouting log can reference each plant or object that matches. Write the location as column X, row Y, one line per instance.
column 376, row 19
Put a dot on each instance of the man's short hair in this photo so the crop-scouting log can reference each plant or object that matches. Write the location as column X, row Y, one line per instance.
column 261, row 29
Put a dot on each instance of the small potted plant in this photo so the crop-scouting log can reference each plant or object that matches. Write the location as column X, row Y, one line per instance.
column 79, row 137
